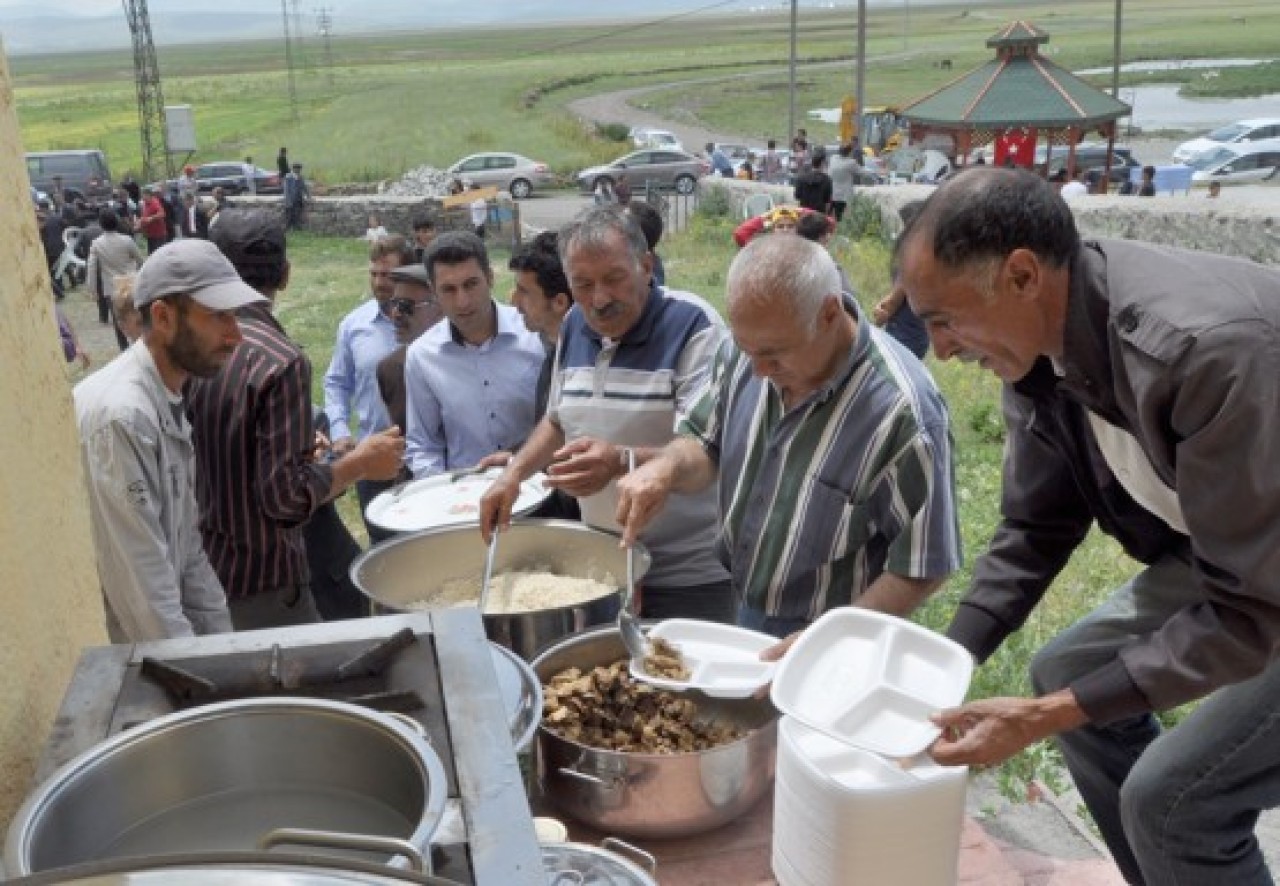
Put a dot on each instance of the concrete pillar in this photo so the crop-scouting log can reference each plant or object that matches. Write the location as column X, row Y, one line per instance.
column 50, row 602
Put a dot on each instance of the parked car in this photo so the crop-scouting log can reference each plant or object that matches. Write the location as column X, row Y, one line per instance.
column 1239, row 133
column 644, row 137
column 499, row 169
column 658, row 168
column 84, row 174
column 1237, row 164
column 1093, row 158
column 229, row 175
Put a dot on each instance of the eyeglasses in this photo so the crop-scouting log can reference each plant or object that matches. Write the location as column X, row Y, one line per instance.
column 407, row 306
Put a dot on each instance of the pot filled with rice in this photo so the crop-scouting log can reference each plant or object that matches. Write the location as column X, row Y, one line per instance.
column 551, row 578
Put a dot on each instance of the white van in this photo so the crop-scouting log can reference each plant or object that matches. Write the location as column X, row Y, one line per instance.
column 1237, row 164
column 1241, row 133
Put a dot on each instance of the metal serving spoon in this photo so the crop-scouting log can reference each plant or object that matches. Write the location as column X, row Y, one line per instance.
column 488, row 570
column 628, row 625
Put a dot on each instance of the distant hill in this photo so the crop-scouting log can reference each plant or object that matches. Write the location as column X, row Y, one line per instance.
column 77, row 25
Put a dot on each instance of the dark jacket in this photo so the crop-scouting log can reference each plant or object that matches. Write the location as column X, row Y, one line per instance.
column 201, row 227
column 1181, row 350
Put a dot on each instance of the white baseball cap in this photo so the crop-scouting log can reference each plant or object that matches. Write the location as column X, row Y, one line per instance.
column 196, row 268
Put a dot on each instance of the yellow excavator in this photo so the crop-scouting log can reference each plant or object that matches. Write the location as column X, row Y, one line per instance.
column 879, row 130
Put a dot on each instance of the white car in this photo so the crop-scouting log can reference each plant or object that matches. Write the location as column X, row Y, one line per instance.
column 644, row 137
column 1239, row 133
column 1237, row 164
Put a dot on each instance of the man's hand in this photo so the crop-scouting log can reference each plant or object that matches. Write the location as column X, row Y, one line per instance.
column 880, row 313
column 779, row 649
column 497, row 459
column 321, row 448
column 381, row 455
column 990, row 731
column 496, row 505
column 342, row 446
column 584, row 466
column 641, row 497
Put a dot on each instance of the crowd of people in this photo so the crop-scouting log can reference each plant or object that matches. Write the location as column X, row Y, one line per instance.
column 778, row 461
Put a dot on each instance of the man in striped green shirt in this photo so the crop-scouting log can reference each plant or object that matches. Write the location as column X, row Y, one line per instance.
column 831, row 446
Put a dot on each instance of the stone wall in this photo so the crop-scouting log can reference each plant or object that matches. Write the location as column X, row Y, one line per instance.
column 349, row 216
column 1248, row 230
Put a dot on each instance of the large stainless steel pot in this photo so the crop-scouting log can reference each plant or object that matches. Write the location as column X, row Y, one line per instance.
column 404, row 570
column 654, row 795
column 218, row 778
column 223, row 869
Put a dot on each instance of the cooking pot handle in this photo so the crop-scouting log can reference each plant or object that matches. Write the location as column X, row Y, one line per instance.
column 418, row 729
column 337, row 840
column 609, row 784
column 622, row 847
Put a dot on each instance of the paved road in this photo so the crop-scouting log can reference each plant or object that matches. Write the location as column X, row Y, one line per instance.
column 543, row 212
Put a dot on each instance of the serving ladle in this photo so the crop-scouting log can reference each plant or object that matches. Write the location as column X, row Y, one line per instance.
column 488, row 570
column 633, row 638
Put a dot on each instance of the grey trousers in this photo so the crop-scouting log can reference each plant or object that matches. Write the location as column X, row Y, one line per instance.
column 1176, row 807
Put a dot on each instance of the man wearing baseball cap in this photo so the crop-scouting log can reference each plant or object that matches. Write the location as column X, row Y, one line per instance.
column 137, row 450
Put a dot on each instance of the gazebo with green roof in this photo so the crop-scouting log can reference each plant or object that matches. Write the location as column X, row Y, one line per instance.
column 1019, row 88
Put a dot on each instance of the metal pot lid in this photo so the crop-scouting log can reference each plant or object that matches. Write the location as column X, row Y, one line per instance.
column 230, row 869
column 521, row 694
column 577, row 864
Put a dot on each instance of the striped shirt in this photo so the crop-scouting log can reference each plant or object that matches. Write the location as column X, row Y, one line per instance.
column 628, row 392
column 818, row 501
column 256, row 480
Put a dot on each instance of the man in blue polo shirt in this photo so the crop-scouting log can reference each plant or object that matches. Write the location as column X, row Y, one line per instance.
column 629, row 359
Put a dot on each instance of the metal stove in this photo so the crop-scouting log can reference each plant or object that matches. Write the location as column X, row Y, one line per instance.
column 435, row 667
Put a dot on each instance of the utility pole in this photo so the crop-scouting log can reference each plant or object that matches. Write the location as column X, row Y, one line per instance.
column 861, row 77
column 1115, row 54
column 906, row 23
column 297, row 35
column 324, row 27
column 156, row 161
column 288, row 60
column 791, row 91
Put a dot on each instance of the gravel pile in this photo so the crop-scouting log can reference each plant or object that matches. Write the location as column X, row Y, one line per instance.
column 425, row 181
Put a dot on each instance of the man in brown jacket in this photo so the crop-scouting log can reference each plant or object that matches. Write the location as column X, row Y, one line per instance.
column 1142, row 394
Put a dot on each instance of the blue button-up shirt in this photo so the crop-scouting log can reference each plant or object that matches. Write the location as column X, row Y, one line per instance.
column 468, row 401
column 365, row 337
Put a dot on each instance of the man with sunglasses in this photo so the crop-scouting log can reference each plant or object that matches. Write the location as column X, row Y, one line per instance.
column 413, row 310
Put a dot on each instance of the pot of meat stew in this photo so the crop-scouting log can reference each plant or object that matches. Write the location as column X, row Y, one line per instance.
column 659, row 794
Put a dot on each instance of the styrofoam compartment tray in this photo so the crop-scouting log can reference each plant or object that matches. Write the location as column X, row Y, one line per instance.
column 443, row 500
column 872, row 680
column 723, row 660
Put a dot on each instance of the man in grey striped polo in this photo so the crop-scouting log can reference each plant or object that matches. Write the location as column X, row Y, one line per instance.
column 831, row 447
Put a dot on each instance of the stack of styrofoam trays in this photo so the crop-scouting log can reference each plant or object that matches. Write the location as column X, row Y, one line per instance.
column 844, row 815
column 723, row 660
column 855, row 798
column 872, row 680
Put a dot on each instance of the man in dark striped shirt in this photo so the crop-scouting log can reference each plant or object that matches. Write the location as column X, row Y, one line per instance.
column 257, row 476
